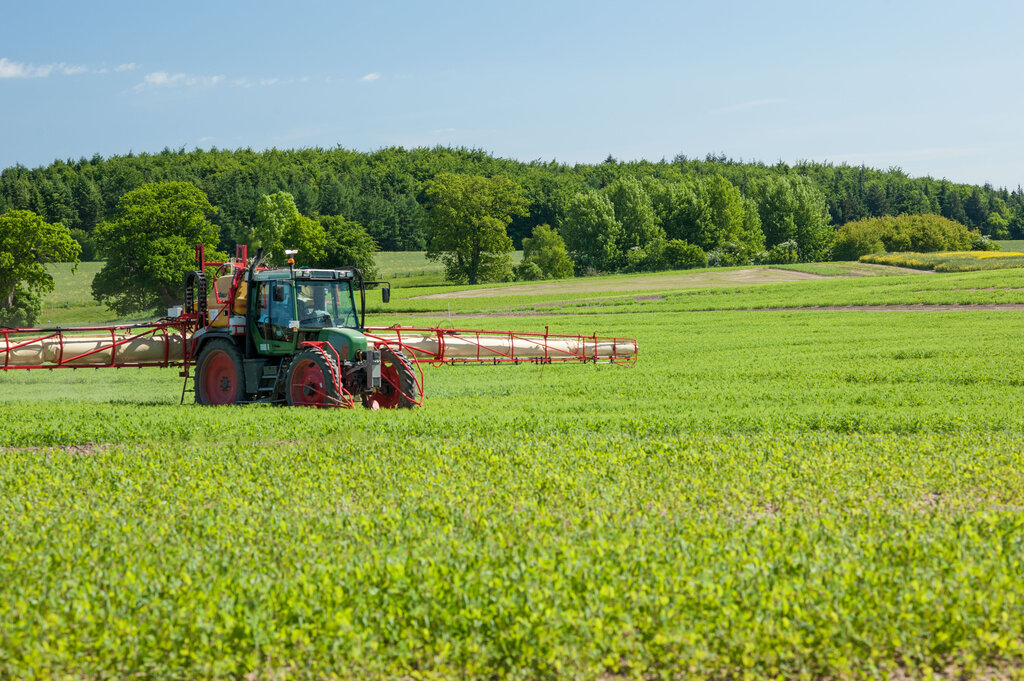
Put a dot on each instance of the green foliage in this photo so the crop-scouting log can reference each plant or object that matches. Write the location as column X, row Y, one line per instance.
column 468, row 220
column 86, row 243
column 348, row 245
column 917, row 233
column 383, row 190
column 731, row 254
column 712, row 212
column 592, row 234
column 634, row 213
column 681, row 255
column 149, row 245
column 528, row 270
column 785, row 253
column 792, row 209
column 279, row 227
column 27, row 243
column 546, row 249
column 856, row 239
column 980, row 242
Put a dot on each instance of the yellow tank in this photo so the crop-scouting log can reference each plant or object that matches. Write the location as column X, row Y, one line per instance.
column 223, row 288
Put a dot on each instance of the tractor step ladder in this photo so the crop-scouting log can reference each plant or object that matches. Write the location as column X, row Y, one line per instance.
column 269, row 378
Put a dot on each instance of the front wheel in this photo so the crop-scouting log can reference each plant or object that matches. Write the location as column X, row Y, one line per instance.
column 220, row 378
column 398, row 385
column 312, row 380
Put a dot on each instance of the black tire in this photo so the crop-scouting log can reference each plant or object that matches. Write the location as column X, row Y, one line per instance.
column 399, row 388
column 312, row 380
column 220, row 376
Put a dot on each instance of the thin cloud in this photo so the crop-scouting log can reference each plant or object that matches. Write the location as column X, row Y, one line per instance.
column 746, row 106
column 369, row 78
column 164, row 79
column 130, row 66
column 17, row 69
column 246, row 82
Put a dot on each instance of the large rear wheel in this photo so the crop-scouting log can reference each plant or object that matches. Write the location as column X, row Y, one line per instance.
column 220, row 378
column 398, row 385
column 312, row 380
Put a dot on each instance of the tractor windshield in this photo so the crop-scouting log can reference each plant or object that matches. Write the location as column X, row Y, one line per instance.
column 324, row 303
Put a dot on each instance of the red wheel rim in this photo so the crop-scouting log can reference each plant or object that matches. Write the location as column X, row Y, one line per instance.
column 308, row 385
column 390, row 392
column 220, row 380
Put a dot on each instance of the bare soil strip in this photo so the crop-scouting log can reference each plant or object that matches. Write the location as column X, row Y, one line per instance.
column 920, row 307
column 666, row 281
column 673, row 280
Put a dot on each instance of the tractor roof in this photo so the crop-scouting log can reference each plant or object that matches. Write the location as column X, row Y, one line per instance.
column 304, row 273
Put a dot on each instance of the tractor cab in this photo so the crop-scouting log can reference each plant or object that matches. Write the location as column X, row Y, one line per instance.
column 296, row 306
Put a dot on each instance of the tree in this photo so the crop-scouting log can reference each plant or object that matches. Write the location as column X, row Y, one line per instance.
column 27, row 243
column 468, row 219
column 591, row 233
column 976, row 209
column 149, row 245
column 546, row 249
column 634, row 212
column 348, row 245
column 793, row 209
column 279, row 226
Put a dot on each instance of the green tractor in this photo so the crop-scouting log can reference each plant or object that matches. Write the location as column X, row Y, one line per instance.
column 291, row 335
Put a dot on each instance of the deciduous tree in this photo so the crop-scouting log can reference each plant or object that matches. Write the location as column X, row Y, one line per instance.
column 280, row 226
column 27, row 243
column 348, row 245
column 149, row 245
column 547, row 250
column 468, row 219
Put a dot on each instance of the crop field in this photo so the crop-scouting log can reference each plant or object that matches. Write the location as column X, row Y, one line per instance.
column 412, row 267
column 953, row 261
column 777, row 489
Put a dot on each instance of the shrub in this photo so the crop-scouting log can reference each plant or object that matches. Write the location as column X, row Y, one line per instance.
column 528, row 270
column 917, row 233
column 856, row 239
column 785, row 253
column 681, row 255
column 980, row 242
column 730, row 254
column 546, row 249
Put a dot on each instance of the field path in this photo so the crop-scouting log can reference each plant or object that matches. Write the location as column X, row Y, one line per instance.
column 672, row 280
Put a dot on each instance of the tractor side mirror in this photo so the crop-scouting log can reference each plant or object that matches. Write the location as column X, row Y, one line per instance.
column 385, row 294
column 279, row 294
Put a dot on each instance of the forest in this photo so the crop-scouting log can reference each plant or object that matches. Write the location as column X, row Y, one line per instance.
column 386, row 193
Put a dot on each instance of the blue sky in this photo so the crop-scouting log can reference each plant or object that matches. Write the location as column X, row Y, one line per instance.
column 931, row 87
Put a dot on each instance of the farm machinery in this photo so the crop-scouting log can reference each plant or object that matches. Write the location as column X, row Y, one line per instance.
column 253, row 333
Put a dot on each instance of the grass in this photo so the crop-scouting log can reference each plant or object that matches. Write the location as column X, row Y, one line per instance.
column 412, row 268
column 796, row 494
column 1014, row 245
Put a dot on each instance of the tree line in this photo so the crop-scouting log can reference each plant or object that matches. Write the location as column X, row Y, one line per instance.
column 386, row 191
column 468, row 210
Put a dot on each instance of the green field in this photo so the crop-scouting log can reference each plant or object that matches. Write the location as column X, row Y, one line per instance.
column 773, row 491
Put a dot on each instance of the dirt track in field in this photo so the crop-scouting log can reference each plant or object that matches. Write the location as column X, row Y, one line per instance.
column 667, row 281
column 1003, row 307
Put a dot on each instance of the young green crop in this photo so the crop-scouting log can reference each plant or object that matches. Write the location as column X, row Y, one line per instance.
column 796, row 494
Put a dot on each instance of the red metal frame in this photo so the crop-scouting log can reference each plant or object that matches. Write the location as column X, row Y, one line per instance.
column 19, row 338
column 346, row 400
column 624, row 350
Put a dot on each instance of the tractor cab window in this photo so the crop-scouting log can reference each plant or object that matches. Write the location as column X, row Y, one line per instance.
column 277, row 311
column 322, row 304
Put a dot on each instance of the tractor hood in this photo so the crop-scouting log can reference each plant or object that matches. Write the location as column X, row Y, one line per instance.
column 346, row 341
